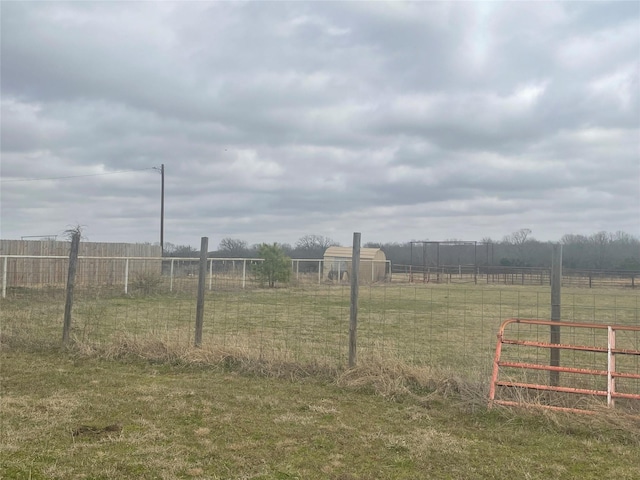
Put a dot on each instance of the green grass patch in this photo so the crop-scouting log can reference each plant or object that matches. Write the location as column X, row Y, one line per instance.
column 451, row 327
column 66, row 414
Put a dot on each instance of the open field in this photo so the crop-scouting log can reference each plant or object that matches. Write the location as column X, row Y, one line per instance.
column 66, row 415
column 445, row 326
column 268, row 395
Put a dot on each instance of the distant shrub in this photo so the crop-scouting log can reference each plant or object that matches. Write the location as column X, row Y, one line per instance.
column 146, row 283
column 276, row 266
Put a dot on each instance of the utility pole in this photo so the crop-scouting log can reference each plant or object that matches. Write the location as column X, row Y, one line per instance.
column 162, row 209
column 161, row 170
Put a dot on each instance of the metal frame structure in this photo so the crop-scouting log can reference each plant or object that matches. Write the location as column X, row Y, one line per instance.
column 611, row 373
column 425, row 270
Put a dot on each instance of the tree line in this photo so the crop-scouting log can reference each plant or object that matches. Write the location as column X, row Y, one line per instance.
column 599, row 251
column 308, row 246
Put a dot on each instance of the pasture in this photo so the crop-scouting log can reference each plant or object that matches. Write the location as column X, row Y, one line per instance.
column 451, row 328
column 268, row 396
column 66, row 415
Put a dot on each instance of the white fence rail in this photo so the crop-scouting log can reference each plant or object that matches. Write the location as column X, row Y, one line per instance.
column 166, row 273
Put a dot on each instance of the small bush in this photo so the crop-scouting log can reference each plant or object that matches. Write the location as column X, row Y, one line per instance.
column 276, row 266
column 146, row 283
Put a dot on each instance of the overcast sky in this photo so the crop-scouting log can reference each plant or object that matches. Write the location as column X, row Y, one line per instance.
column 275, row 120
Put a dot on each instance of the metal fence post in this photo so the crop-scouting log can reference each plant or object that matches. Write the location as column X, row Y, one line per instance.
column 202, row 278
column 126, row 276
column 71, row 281
column 210, row 274
column 353, row 317
column 4, row 278
column 244, row 272
column 171, row 277
column 556, row 303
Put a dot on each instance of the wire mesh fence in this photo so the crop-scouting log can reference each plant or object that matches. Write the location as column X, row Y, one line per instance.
column 448, row 327
column 507, row 275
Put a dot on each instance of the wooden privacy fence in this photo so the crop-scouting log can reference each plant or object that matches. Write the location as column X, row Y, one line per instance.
column 51, row 271
column 43, row 248
column 35, row 263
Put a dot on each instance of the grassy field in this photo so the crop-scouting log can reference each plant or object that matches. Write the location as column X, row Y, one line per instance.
column 268, row 395
column 66, row 414
column 449, row 327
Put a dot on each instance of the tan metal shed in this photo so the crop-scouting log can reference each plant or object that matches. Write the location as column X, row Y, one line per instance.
column 337, row 264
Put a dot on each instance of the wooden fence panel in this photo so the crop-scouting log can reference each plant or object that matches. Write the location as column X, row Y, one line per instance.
column 91, row 271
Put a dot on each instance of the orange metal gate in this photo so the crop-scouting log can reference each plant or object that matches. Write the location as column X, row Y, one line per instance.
column 610, row 350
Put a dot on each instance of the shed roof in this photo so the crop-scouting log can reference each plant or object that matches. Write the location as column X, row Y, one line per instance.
column 346, row 252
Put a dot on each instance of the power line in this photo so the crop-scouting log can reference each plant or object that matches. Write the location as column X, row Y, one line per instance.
column 76, row 176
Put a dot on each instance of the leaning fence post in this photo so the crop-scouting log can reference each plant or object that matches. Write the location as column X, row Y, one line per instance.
column 211, row 274
column 126, row 276
column 353, row 317
column 202, row 278
column 71, row 281
column 556, row 303
column 244, row 272
column 4, row 278
column 171, row 276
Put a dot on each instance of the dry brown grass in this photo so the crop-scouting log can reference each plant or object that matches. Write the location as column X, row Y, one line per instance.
column 241, row 358
column 383, row 375
column 416, row 340
column 140, row 407
column 386, row 376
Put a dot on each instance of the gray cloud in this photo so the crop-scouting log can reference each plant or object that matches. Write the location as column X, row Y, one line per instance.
column 275, row 120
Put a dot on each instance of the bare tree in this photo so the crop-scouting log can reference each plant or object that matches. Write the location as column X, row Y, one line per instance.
column 518, row 238
column 73, row 230
column 313, row 246
column 623, row 238
column 315, row 242
column 602, row 250
column 233, row 247
column 600, row 242
column 182, row 251
column 573, row 239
